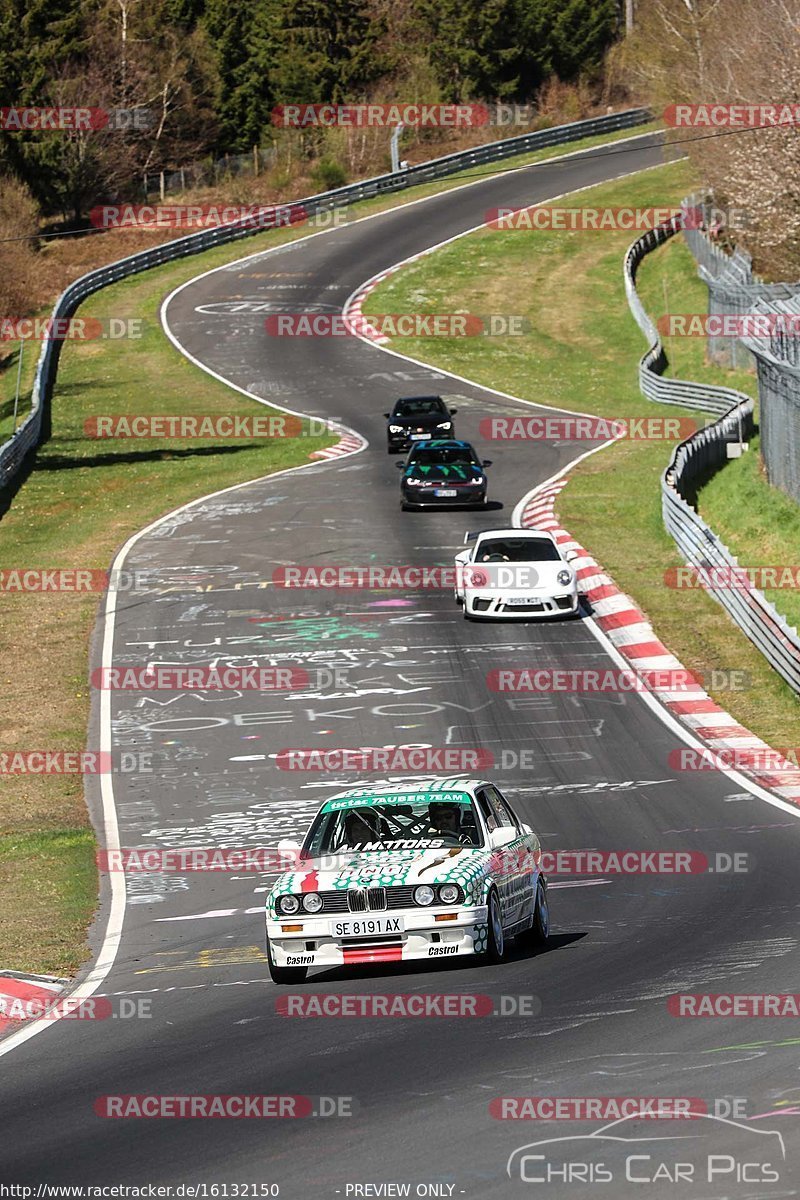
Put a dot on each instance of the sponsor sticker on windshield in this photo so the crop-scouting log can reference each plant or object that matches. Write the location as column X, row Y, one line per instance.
column 406, row 798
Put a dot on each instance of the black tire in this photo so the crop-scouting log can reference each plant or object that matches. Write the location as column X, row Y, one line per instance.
column 539, row 933
column 496, row 940
column 284, row 974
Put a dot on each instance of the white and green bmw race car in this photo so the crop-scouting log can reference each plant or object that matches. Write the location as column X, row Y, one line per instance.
column 432, row 869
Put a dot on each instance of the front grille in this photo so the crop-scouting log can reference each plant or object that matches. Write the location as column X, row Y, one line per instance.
column 533, row 607
column 367, row 900
column 334, row 902
column 391, row 897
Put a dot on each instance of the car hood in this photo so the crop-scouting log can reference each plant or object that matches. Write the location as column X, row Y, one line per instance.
column 384, row 868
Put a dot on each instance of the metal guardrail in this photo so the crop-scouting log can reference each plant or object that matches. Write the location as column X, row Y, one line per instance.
column 701, row 548
column 36, row 426
column 733, row 286
column 705, row 397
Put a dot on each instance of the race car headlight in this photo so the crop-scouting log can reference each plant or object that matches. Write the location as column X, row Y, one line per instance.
column 479, row 479
column 445, row 425
column 288, row 905
column 564, row 577
column 312, row 902
column 424, row 895
column 395, row 429
column 450, row 893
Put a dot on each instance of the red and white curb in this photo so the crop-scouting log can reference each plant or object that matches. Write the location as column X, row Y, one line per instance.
column 354, row 318
column 348, row 444
column 19, row 992
column 633, row 637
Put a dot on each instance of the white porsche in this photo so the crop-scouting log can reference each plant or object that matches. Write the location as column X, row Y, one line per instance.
column 513, row 574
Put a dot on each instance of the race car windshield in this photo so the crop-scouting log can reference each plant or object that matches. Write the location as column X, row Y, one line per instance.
column 419, row 408
column 517, row 550
column 432, row 457
column 426, row 822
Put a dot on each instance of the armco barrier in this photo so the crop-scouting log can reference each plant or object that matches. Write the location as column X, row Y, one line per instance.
column 699, row 545
column 35, row 427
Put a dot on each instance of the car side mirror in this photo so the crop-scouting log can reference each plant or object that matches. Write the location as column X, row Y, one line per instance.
column 387, row 415
column 487, row 462
column 571, row 555
column 400, row 465
column 453, row 411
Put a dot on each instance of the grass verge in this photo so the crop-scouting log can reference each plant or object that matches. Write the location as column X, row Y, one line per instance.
column 582, row 353
column 80, row 503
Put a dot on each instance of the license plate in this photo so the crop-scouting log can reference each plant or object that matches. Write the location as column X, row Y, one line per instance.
column 445, row 491
column 363, row 926
column 517, row 601
column 419, row 437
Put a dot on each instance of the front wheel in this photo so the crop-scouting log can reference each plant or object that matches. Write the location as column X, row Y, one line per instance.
column 284, row 974
column 496, row 941
column 539, row 932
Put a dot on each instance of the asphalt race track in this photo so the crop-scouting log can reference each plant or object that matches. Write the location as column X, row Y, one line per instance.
column 410, row 671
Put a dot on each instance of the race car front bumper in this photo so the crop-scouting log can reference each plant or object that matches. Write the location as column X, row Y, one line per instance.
column 457, row 932
column 498, row 606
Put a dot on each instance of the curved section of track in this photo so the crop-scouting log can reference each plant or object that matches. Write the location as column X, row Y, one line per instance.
column 587, row 771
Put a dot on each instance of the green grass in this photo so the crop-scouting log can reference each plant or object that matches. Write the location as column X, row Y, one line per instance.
column 80, row 503
column 582, row 353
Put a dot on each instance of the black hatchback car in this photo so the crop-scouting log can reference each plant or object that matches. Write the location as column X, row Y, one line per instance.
column 418, row 419
column 443, row 474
